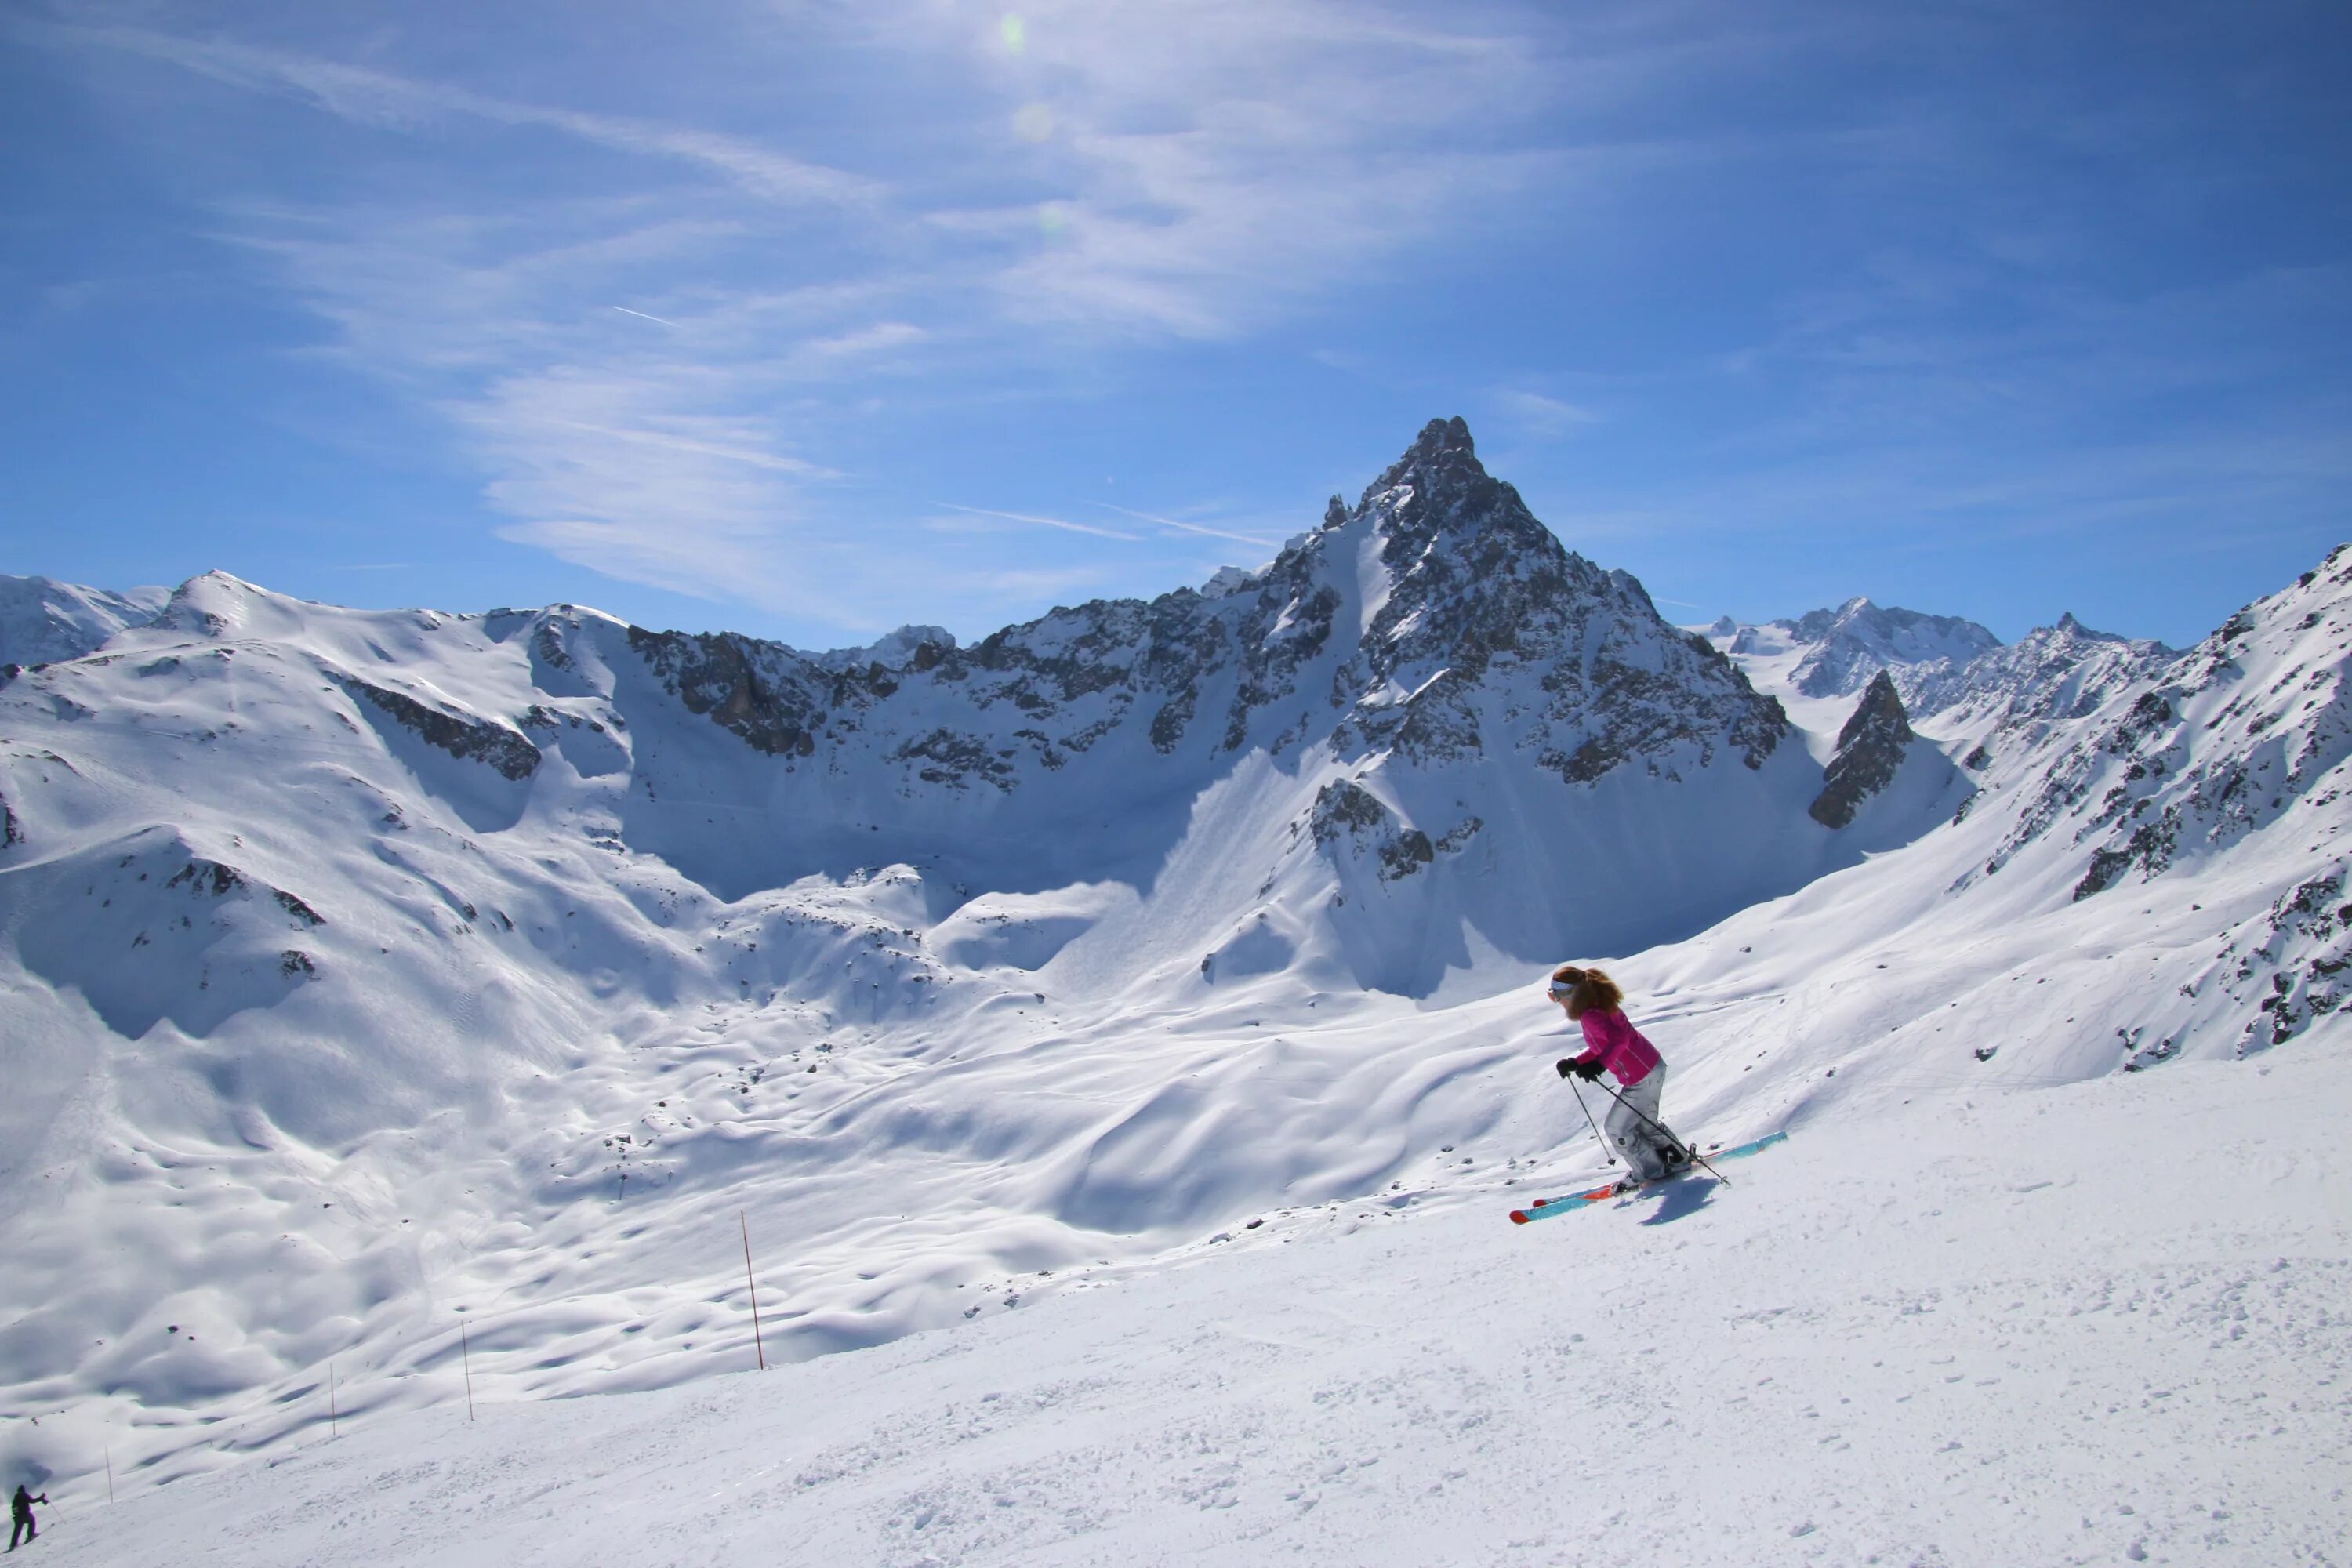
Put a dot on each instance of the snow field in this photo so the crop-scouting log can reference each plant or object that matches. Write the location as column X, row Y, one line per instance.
column 2104, row 1323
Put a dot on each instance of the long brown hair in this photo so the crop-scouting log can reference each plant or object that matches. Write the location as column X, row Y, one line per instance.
column 1592, row 989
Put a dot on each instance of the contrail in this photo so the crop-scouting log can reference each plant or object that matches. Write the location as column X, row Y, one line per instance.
column 1047, row 522
column 643, row 317
column 1189, row 527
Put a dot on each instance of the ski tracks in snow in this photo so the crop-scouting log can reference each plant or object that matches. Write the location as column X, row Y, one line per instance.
column 1901, row 1346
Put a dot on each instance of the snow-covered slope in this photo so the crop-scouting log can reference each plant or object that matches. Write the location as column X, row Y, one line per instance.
column 42, row 621
column 365, row 971
column 2016, row 694
column 2162, row 877
column 2102, row 1325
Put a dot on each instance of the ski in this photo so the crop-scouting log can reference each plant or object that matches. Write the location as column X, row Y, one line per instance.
column 1544, row 1208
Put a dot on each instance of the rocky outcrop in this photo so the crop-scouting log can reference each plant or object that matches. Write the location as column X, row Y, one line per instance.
column 1347, row 815
column 508, row 750
column 1870, row 752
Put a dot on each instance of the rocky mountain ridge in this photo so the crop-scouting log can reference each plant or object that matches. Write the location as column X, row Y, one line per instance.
column 1376, row 630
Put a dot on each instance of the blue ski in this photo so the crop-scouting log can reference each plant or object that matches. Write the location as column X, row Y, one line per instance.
column 1544, row 1208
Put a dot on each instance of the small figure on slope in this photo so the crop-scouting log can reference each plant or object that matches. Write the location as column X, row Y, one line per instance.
column 21, row 1508
column 1594, row 1004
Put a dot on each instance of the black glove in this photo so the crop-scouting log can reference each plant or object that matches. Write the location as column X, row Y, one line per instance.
column 1589, row 1071
column 1563, row 1067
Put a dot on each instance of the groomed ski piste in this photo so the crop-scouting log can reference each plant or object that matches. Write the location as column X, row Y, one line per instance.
column 2104, row 1323
column 1124, row 1045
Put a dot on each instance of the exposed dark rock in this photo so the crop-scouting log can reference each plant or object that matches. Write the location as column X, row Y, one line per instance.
column 1344, row 807
column 2147, row 715
column 201, row 875
column 2106, row 866
column 297, row 908
column 1593, row 759
column 955, row 760
column 1869, row 752
column 477, row 740
column 1344, row 811
column 1460, row 833
column 763, row 691
column 549, row 647
column 1406, row 853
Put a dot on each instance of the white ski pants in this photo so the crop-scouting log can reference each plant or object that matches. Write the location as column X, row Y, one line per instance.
column 1642, row 1145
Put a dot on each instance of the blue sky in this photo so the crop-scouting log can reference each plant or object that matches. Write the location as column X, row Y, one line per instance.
column 812, row 318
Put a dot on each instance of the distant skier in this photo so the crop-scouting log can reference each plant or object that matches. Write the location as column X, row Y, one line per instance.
column 21, row 1506
column 1595, row 1005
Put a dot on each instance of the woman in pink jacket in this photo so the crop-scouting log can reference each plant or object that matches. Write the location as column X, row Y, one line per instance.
column 1594, row 1004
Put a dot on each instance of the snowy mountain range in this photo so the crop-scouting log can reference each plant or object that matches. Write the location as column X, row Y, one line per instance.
column 43, row 621
column 364, row 970
column 1839, row 651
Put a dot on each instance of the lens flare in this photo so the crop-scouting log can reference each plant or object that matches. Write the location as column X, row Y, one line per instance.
column 1014, row 32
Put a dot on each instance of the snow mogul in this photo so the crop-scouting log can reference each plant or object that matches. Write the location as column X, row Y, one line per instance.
column 1595, row 1005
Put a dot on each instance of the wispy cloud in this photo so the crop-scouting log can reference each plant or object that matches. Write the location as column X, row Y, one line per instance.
column 1544, row 418
column 1177, row 170
column 400, row 102
column 1218, row 160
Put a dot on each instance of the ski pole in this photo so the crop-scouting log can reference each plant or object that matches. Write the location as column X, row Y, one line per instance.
column 1607, row 1152
column 1679, row 1144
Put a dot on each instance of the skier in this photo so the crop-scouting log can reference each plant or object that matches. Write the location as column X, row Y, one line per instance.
column 21, row 1506
column 1592, row 1001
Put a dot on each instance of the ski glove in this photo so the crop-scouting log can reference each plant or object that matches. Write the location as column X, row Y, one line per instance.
column 1589, row 1071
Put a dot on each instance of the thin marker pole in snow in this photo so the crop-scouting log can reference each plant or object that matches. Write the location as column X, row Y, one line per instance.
column 466, row 1349
column 756, row 1340
column 110, row 1472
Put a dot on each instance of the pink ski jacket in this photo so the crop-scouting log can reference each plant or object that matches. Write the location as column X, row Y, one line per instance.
column 1611, row 1039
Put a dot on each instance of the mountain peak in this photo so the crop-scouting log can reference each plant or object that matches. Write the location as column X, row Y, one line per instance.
column 1442, row 461
column 1870, row 751
column 1440, row 436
